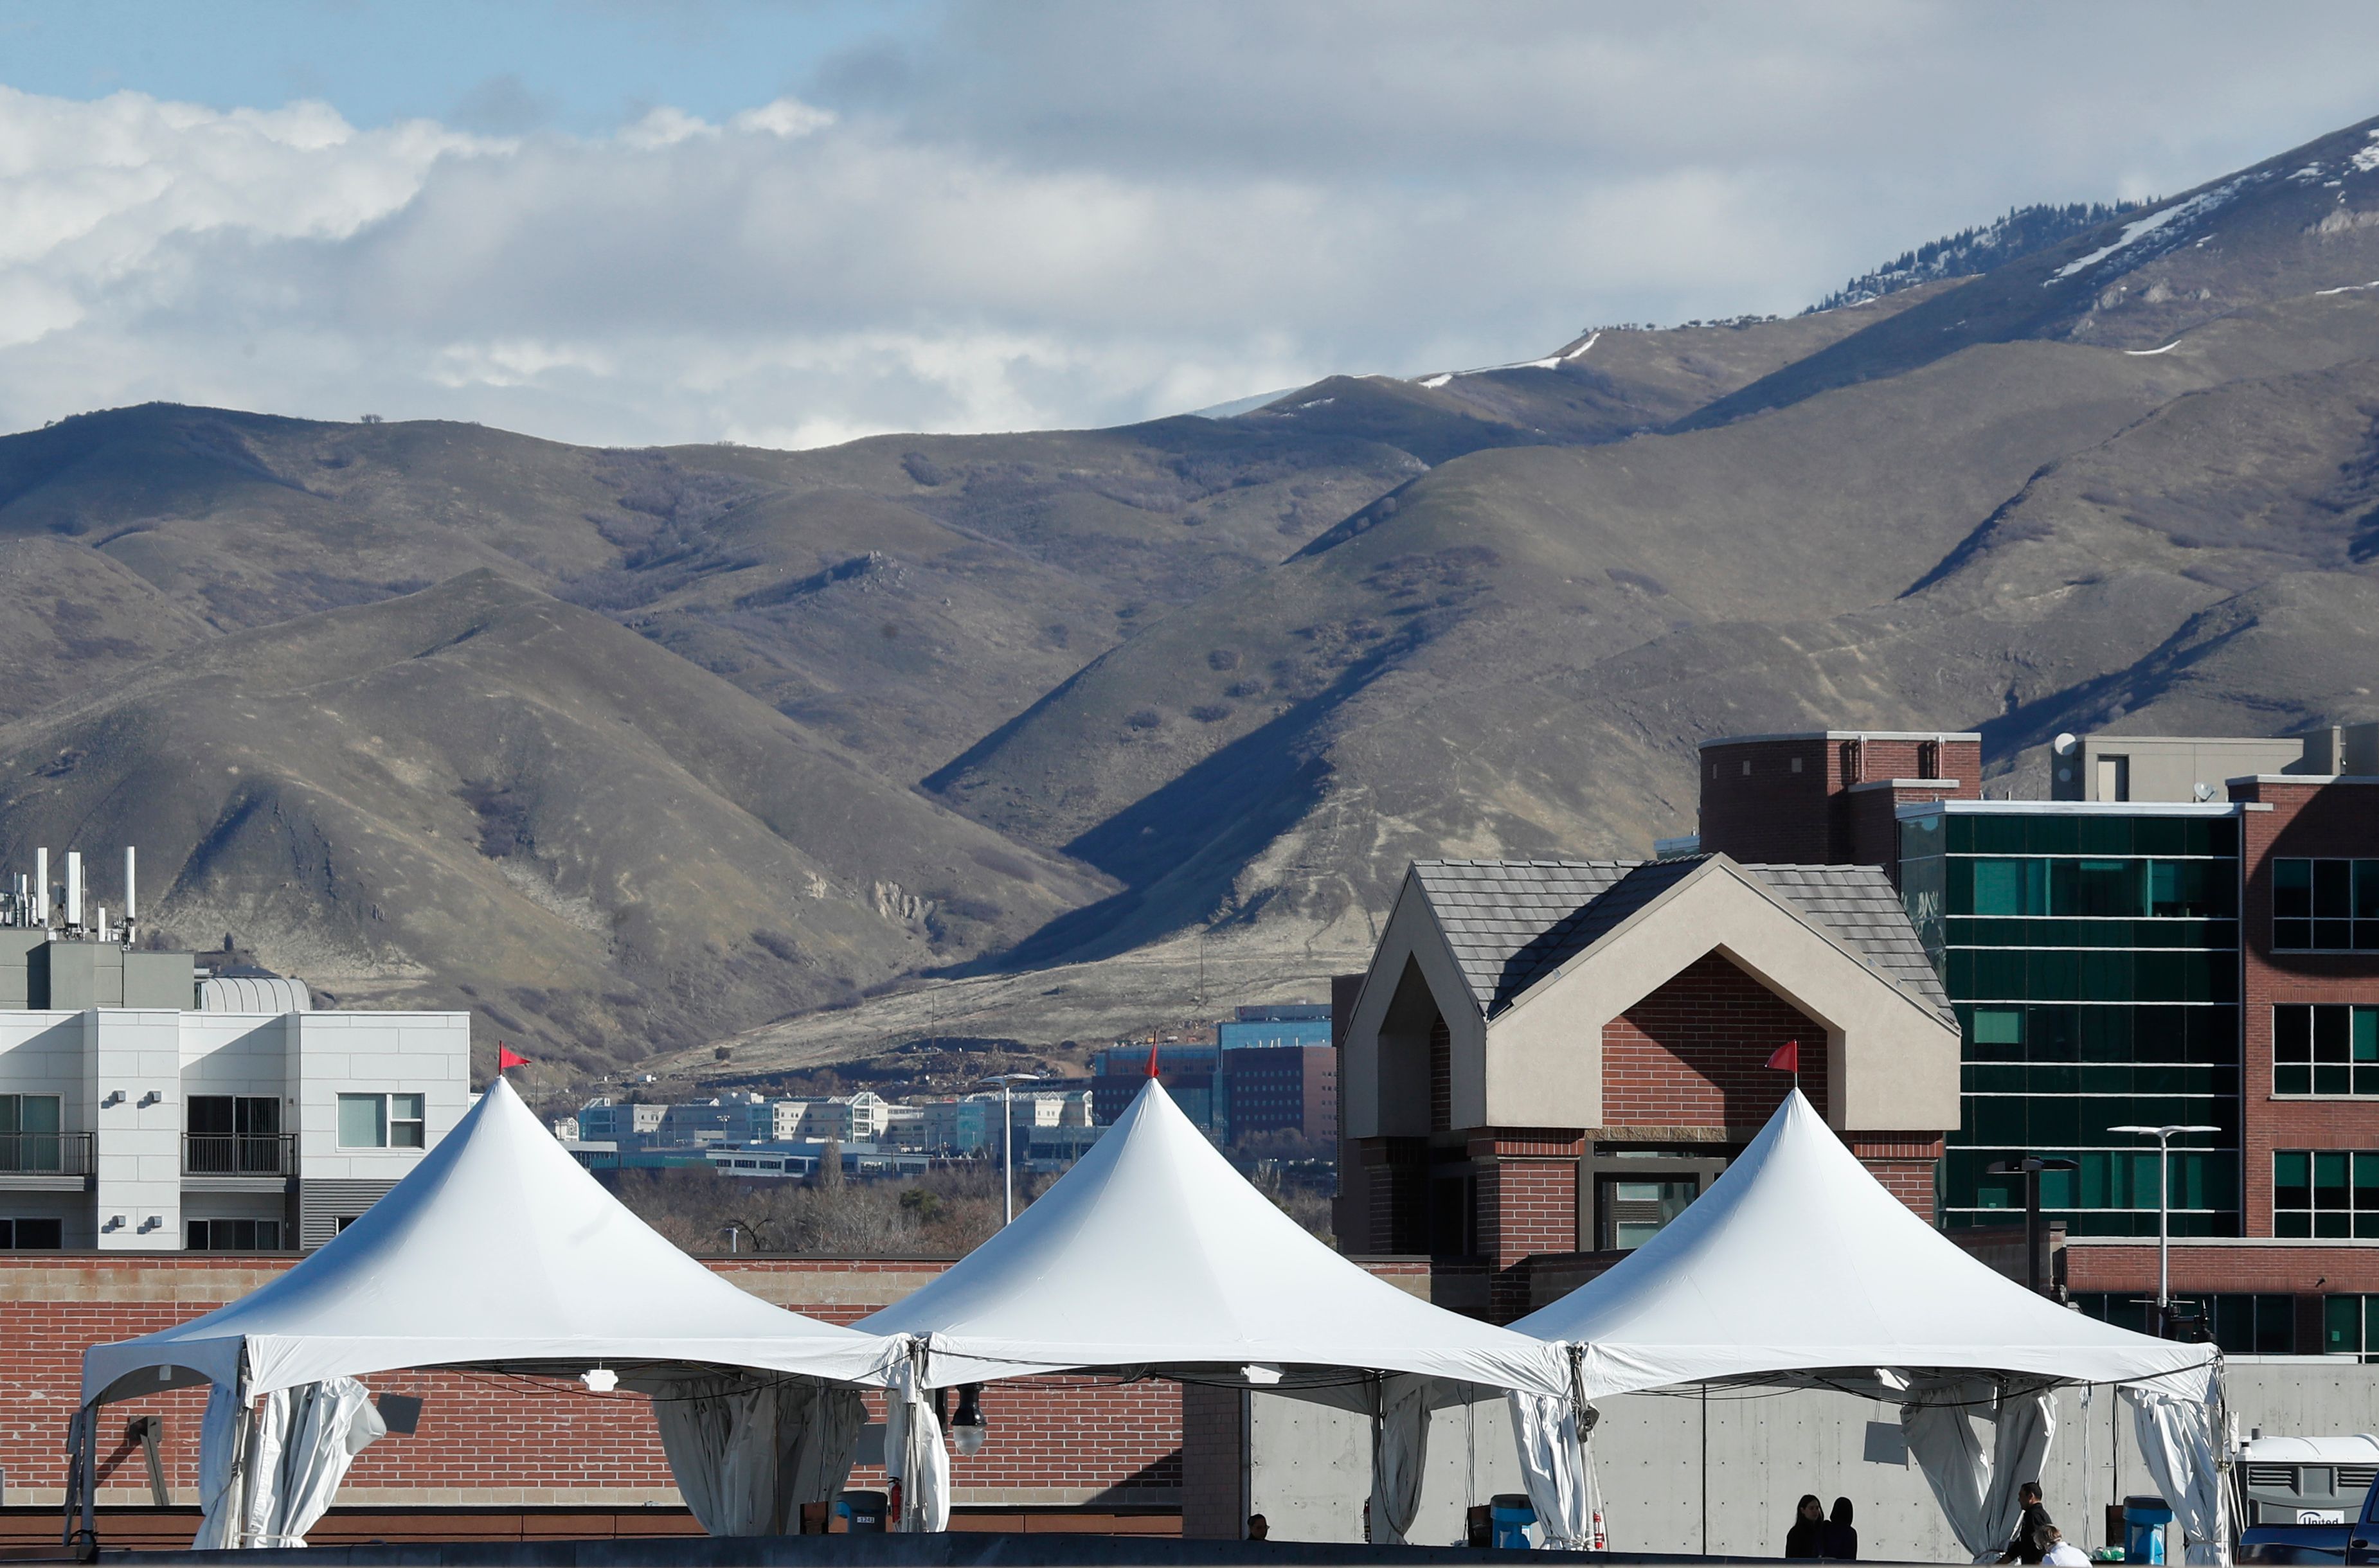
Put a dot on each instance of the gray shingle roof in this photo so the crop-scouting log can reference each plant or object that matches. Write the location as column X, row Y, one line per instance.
column 1512, row 922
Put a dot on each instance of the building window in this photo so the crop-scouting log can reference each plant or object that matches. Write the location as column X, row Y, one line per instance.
column 1636, row 1212
column 31, row 1236
column 234, row 1236
column 2325, row 1049
column 1853, row 763
column 2325, row 906
column 2241, row 1324
column 380, row 1121
column 1928, row 759
column 29, row 1133
column 2331, row 1193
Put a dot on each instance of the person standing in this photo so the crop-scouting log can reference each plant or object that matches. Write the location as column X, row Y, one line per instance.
column 2030, row 1542
column 1807, row 1536
column 1842, row 1540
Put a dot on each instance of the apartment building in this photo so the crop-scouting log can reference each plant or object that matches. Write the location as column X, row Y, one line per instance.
column 146, row 1105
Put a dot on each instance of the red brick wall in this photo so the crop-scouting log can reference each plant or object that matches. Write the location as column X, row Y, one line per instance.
column 2215, row 1269
column 1695, row 1053
column 1527, row 1205
column 506, row 1440
column 2335, row 820
column 1904, row 1162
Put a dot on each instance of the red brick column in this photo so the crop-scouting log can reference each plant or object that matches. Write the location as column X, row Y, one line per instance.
column 1527, row 1205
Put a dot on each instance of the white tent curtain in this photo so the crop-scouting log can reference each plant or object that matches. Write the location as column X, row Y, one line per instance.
column 264, row 1484
column 1399, row 1454
column 1978, row 1489
column 2178, row 1422
column 218, row 1469
column 1554, row 1462
column 747, row 1455
column 914, row 1455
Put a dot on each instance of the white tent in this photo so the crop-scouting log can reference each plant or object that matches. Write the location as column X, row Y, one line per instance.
column 1798, row 1269
column 498, row 1252
column 1152, row 1256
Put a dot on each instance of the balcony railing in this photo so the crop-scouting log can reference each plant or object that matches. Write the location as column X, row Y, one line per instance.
column 45, row 1153
column 239, row 1155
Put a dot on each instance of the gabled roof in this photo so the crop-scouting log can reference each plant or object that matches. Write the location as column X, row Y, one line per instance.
column 498, row 1250
column 1153, row 1253
column 1510, row 924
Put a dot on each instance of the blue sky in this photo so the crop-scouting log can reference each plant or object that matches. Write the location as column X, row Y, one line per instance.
column 792, row 225
column 566, row 64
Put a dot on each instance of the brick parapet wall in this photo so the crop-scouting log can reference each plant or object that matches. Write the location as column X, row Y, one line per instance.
column 2215, row 1268
column 1755, row 807
column 491, row 1439
column 2314, row 820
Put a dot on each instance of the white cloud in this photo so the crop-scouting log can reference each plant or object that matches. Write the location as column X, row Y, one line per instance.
column 1086, row 214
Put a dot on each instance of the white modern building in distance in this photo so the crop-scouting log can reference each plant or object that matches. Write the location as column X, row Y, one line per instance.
column 146, row 1105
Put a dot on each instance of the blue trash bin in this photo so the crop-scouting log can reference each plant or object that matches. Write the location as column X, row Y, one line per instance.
column 1512, row 1514
column 2143, row 1521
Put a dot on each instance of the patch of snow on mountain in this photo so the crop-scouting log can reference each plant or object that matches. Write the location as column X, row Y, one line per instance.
column 2347, row 288
column 2178, row 213
column 1433, row 382
column 1580, row 352
column 2366, row 159
column 2145, row 353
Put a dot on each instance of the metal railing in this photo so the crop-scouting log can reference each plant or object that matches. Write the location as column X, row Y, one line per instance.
column 234, row 1153
column 45, row 1153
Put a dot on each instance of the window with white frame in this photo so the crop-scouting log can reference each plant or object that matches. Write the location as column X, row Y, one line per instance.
column 381, row 1121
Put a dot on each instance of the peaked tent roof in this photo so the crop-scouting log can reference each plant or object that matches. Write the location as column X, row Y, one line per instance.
column 1153, row 1253
column 1510, row 924
column 497, row 1250
column 1797, row 1260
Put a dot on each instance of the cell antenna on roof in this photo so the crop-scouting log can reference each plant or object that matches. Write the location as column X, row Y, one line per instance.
column 41, row 888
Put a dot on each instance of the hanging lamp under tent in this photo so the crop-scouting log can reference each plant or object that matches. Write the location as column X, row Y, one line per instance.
column 1153, row 1257
column 1798, row 1269
column 497, row 1253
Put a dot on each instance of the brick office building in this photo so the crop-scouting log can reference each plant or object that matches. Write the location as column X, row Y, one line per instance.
column 2115, row 959
column 1551, row 1057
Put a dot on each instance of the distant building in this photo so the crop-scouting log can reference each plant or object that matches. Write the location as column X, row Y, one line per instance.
column 1271, row 1069
column 149, row 1106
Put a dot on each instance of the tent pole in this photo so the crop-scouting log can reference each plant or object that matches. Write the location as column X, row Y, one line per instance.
column 1705, row 1469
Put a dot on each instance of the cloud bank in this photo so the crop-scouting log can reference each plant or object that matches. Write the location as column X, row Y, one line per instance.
column 1086, row 215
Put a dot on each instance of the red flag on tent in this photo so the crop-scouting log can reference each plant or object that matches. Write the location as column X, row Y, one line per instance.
column 1787, row 1057
column 1151, row 1058
column 507, row 1058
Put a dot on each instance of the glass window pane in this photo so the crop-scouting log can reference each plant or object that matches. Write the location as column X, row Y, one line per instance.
column 2333, row 890
column 2366, row 1034
column 2292, row 936
column 2004, row 1026
column 2329, row 1179
column 39, row 1112
column 2292, row 889
column 2330, row 1032
column 2292, row 1033
column 2366, row 889
column 363, row 1121
column 2341, row 1324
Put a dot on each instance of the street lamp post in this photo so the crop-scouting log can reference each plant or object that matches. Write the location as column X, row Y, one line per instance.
column 2030, row 1167
column 1007, row 1081
column 2163, row 1135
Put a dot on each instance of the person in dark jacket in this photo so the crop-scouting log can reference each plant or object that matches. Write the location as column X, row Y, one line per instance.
column 1807, row 1536
column 2030, row 1542
column 1842, row 1541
